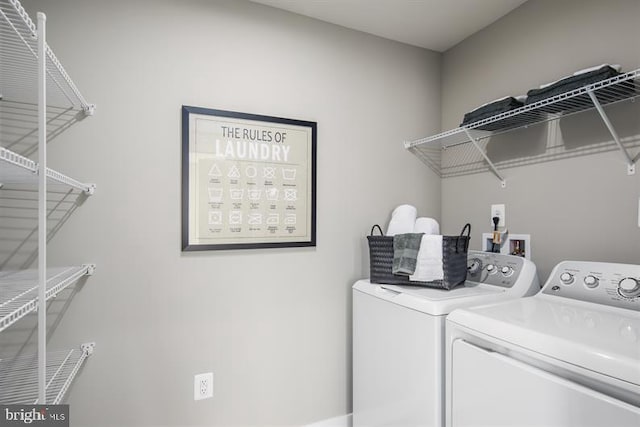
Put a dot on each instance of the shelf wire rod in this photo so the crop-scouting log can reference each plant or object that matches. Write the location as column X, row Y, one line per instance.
column 42, row 209
column 631, row 167
column 486, row 158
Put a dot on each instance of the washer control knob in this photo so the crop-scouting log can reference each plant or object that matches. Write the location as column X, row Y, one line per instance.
column 475, row 265
column 506, row 270
column 566, row 278
column 629, row 287
column 491, row 268
column 591, row 281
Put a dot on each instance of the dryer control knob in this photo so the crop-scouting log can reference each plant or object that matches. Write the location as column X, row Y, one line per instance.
column 506, row 271
column 591, row 281
column 566, row 278
column 491, row 268
column 629, row 287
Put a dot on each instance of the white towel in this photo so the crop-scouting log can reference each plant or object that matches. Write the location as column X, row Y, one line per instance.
column 429, row 261
column 426, row 226
column 402, row 220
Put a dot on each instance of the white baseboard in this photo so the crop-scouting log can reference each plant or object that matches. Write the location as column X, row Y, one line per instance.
column 341, row 421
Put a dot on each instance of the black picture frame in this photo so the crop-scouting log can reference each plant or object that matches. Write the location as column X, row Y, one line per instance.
column 260, row 178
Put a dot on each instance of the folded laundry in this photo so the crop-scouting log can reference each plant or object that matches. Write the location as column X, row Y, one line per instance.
column 402, row 220
column 429, row 260
column 405, row 253
column 485, row 111
column 583, row 78
column 616, row 67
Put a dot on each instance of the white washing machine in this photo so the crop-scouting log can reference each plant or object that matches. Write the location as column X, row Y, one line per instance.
column 568, row 356
column 399, row 338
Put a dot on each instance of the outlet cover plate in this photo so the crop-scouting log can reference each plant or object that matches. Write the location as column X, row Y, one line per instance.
column 203, row 386
column 500, row 212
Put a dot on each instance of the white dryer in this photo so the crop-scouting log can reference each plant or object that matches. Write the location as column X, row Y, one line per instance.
column 568, row 356
column 399, row 339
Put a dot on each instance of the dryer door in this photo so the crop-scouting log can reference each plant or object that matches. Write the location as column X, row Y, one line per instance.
column 491, row 389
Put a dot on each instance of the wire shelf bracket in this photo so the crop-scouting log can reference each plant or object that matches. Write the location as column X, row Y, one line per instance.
column 631, row 167
column 503, row 183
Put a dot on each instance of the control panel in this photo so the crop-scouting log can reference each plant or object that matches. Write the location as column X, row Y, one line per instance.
column 493, row 268
column 617, row 285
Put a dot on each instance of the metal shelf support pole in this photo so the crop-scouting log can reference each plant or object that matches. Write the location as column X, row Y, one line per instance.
column 503, row 183
column 42, row 210
column 631, row 167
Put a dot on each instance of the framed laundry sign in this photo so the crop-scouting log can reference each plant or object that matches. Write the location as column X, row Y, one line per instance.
column 248, row 181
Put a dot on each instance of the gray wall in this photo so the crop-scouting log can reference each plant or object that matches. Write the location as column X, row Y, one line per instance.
column 580, row 208
column 273, row 325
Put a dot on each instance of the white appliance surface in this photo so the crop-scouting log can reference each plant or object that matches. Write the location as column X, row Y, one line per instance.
column 398, row 339
column 492, row 277
column 573, row 349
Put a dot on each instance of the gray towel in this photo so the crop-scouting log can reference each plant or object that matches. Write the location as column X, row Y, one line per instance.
column 405, row 253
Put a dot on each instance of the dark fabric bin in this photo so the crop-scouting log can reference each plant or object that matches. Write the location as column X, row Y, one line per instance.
column 454, row 260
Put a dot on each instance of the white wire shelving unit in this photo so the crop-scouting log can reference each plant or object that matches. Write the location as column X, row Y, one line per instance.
column 463, row 150
column 38, row 102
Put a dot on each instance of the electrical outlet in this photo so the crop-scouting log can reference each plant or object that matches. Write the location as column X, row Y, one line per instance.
column 203, row 386
column 500, row 212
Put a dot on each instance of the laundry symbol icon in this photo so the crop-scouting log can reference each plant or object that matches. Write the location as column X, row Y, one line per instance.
column 215, row 194
column 254, row 194
column 215, row 217
column 269, row 172
column 215, row 170
column 290, row 219
column 272, row 194
column 251, row 171
column 234, row 172
column 236, row 193
column 289, row 174
column 235, row 217
column 273, row 219
column 290, row 194
column 254, row 219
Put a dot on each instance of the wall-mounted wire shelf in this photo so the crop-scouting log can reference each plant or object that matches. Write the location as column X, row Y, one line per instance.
column 16, row 169
column 19, row 289
column 18, row 64
column 19, row 124
column 462, row 150
column 19, row 376
column 19, row 85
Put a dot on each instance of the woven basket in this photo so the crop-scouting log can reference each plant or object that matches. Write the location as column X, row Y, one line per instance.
column 454, row 260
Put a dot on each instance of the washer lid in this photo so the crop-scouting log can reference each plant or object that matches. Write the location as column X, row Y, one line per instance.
column 433, row 301
column 593, row 336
